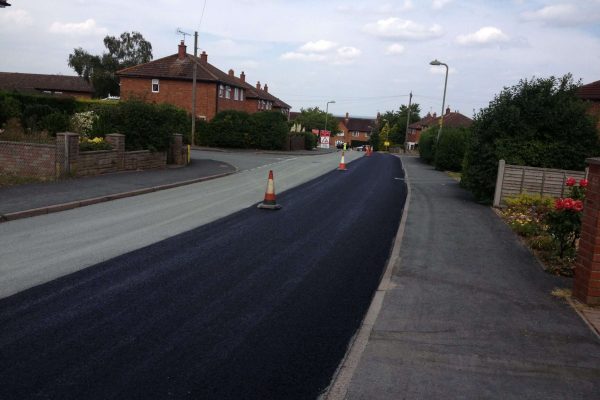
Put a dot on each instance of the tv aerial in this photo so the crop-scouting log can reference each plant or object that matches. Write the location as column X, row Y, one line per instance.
column 180, row 32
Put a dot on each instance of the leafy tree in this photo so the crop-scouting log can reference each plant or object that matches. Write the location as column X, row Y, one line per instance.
column 374, row 138
column 314, row 118
column 538, row 122
column 397, row 121
column 127, row 50
column 384, row 136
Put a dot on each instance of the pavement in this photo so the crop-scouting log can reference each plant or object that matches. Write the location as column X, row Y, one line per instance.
column 464, row 310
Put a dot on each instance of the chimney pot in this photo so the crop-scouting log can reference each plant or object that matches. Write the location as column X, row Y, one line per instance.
column 258, row 85
column 434, row 115
column 266, row 88
column 204, row 57
column 347, row 116
column 243, row 76
column 448, row 110
column 230, row 72
column 181, row 50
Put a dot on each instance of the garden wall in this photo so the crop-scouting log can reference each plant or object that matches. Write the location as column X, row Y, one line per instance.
column 28, row 159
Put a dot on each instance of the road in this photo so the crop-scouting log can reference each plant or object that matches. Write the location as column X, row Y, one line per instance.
column 259, row 304
column 37, row 250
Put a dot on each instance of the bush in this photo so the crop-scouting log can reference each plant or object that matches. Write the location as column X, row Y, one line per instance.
column 229, row 129
column 34, row 114
column 427, row 145
column 83, row 122
column 538, row 123
column 526, row 213
column 202, row 132
column 450, row 150
column 94, row 144
column 55, row 122
column 310, row 140
column 9, row 108
column 268, row 130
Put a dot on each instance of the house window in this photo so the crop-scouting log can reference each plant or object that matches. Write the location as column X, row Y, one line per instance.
column 155, row 86
column 355, row 133
column 241, row 94
column 220, row 90
column 236, row 94
column 227, row 92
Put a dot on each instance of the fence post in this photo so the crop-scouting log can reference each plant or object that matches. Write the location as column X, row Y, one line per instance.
column 117, row 142
column 67, row 151
column 499, row 180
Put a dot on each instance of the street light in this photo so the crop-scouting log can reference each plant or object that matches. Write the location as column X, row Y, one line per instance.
column 326, row 115
column 436, row 62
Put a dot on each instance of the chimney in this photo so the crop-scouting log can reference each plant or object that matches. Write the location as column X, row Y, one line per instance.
column 447, row 110
column 230, row 72
column 347, row 116
column 434, row 115
column 258, row 85
column 266, row 88
column 243, row 76
column 204, row 57
column 182, row 50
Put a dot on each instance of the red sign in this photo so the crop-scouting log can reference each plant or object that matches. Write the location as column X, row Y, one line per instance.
column 325, row 133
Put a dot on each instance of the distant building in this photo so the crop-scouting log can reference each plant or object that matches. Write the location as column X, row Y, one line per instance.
column 169, row 80
column 57, row 85
column 591, row 94
column 354, row 131
column 452, row 119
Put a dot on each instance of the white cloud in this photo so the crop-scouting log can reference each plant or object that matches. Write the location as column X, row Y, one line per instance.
column 293, row 55
column 348, row 52
column 18, row 18
column 396, row 28
column 87, row 27
column 320, row 46
column 566, row 13
column 439, row 4
column 484, row 36
column 394, row 49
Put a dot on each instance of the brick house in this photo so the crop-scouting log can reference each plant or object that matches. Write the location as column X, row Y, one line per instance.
column 452, row 119
column 354, row 131
column 55, row 85
column 169, row 80
column 591, row 94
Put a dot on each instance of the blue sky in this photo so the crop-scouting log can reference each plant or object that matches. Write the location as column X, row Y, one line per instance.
column 365, row 55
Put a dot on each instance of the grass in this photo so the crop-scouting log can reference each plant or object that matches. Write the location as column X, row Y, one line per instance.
column 454, row 175
column 12, row 180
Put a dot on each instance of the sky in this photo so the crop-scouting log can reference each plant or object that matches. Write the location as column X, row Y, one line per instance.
column 367, row 56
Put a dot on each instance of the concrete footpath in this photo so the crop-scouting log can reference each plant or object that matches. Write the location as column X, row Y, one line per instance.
column 466, row 312
column 28, row 200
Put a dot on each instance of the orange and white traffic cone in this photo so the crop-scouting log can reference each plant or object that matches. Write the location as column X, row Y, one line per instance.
column 342, row 166
column 369, row 151
column 269, row 202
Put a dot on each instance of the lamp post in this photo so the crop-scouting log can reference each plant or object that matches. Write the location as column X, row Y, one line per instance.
column 326, row 115
column 436, row 62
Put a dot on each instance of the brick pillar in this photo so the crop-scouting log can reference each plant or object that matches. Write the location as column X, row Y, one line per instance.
column 586, row 285
column 67, row 154
column 117, row 142
column 176, row 149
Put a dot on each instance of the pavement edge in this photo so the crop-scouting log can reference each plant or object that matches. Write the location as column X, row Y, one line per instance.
column 340, row 383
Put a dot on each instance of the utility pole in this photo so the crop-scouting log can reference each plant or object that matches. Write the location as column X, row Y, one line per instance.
column 407, row 120
column 194, row 69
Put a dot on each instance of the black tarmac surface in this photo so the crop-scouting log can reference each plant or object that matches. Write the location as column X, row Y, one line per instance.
column 259, row 305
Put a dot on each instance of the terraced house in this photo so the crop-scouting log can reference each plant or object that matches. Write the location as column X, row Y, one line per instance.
column 170, row 80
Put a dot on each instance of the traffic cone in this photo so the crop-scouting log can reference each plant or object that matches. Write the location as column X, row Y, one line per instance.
column 269, row 202
column 342, row 166
column 369, row 151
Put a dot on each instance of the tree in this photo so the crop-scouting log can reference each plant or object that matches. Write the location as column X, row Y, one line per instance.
column 539, row 123
column 314, row 118
column 127, row 50
column 397, row 121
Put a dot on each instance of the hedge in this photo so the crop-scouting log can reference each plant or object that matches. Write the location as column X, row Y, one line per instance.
column 427, row 145
column 450, row 150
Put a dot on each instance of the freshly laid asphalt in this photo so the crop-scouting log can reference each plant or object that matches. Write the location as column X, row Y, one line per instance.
column 467, row 311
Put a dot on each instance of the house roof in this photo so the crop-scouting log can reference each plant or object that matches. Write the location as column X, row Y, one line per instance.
column 452, row 119
column 591, row 91
column 181, row 68
column 358, row 124
column 39, row 82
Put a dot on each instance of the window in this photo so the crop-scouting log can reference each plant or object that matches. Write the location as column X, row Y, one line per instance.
column 236, row 94
column 355, row 133
column 241, row 94
column 227, row 92
column 155, row 86
column 220, row 90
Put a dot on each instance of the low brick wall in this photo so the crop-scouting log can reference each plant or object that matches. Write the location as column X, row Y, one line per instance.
column 96, row 162
column 28, row 159
column 144, row 159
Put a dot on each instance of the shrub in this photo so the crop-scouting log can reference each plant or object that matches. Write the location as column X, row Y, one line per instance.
column 526, row 213
column 539, row 123
column 202, row 132
column 310, row 140
column 427, row 145
column 9, row 108
column 33, row 114
column 450, row 150
column 83, row 122
column 94, row 144
column 268, row 130
column 55, row 122
column 229, row 129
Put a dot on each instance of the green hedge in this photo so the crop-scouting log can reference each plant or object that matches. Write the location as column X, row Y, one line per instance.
column 450, row 150
column 427, row 145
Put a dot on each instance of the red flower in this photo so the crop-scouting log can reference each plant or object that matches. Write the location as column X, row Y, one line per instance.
column 558, row 204
column 578, row 206
column 568, row 203
column 570, row 181
column 583, row 183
